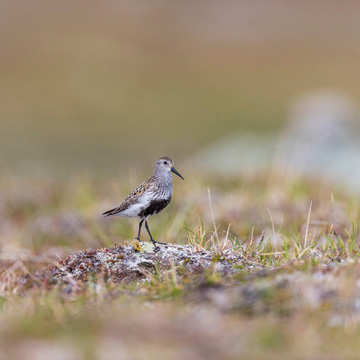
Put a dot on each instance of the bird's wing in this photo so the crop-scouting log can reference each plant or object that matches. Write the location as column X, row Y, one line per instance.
column 132, row 198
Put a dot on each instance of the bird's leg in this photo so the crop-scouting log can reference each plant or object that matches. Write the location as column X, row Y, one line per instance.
column 151, row 238
column 140, row 224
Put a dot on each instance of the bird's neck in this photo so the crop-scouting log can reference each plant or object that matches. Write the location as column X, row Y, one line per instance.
column 165, row 184
column 163, row 178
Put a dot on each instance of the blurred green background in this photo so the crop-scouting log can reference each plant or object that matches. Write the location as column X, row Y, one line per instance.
column 96, row 86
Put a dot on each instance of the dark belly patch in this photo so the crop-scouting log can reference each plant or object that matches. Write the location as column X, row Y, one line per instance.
column 154, row 207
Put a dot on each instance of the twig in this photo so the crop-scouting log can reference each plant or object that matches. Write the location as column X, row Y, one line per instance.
column 307, row 224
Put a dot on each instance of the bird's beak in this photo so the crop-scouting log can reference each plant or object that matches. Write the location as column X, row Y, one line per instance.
column 176, row 172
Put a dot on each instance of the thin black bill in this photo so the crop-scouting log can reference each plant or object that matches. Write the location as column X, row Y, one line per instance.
column 176, row 172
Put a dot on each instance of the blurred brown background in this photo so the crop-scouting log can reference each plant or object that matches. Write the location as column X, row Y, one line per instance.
column 100, row 85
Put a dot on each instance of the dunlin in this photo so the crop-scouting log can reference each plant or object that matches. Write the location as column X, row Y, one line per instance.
column 150, row 197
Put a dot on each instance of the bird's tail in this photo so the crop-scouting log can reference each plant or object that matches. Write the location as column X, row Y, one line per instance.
column 111, row 212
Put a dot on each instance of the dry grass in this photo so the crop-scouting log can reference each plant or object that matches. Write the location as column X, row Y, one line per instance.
column 297, row 282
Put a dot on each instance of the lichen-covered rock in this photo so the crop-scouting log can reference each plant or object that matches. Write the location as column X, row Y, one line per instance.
column 141, row 261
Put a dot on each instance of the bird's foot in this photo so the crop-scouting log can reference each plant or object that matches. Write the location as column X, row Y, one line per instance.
column 138, row 238
column 157, row 242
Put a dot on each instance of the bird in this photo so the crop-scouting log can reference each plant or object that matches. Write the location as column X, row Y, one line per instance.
column 150, row 197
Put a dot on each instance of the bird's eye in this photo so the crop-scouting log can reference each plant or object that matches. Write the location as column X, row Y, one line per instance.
column 165, row 162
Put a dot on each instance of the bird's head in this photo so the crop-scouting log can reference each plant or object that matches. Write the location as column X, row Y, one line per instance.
column 166, row 165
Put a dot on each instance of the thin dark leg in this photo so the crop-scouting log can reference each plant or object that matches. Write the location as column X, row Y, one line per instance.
column 151, row 238
column 140, row 224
